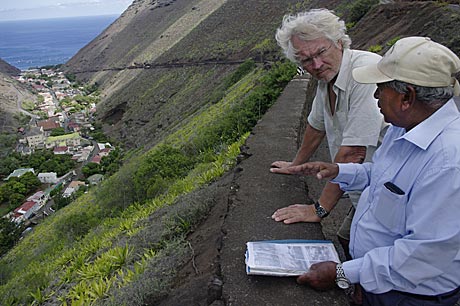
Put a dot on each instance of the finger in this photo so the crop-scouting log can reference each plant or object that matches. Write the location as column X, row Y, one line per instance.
column 275, row 164
column 280, row 170
column 283, row 214
column 323, row 174
column 294, row 219
column 303, row 279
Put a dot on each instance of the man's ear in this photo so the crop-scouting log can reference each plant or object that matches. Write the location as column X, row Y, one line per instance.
column 408, row 98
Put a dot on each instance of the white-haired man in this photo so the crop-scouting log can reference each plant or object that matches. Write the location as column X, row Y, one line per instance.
column 343, row 110
column 405, row 235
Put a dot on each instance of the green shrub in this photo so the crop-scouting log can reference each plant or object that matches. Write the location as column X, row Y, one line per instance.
column 375, row 48
column 392, row 41
column 355, row 10
column 159, row 168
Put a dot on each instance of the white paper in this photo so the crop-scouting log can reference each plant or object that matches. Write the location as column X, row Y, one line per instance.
column 287, row 258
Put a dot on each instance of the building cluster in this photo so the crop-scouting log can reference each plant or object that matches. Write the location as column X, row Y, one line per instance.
column 54, row 87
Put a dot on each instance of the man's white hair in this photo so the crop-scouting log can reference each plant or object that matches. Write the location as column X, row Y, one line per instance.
column 311, row 25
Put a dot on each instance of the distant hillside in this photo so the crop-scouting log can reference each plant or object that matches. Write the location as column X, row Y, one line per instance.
column 12, row 93
column 189, row 46
column 8, row 69
column 161, row 61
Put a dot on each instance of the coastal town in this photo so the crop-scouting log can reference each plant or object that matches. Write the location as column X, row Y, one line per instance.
column 61, row 122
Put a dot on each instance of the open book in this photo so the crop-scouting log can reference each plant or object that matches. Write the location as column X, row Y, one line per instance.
column 287, row 257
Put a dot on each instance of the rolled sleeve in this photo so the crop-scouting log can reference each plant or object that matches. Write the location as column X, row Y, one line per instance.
column 353, row 176
column 352, row 268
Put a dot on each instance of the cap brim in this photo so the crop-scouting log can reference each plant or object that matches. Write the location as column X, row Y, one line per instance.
column 370, row 75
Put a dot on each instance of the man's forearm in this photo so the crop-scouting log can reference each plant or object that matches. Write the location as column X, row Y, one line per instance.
column 331, row 192
column 311, row 140
column 330, row 196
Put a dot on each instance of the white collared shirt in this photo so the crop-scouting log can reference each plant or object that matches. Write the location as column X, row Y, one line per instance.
column 357, row 120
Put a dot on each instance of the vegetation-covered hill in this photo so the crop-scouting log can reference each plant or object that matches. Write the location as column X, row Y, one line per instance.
column 185, row 80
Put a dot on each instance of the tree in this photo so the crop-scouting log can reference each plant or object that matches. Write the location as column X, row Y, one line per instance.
column 90, row 169
column 57, row 131
column 9, row 235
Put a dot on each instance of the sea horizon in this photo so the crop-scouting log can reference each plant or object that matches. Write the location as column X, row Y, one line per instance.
column 31, row 43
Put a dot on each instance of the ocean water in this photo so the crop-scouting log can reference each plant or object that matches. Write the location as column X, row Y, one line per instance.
column 37, row 43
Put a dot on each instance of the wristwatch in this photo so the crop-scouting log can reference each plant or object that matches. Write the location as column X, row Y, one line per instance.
column 341, row 280
column 320, row 210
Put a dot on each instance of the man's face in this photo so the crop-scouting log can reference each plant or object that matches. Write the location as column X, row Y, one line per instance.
column 320, row 57
column 389, row 102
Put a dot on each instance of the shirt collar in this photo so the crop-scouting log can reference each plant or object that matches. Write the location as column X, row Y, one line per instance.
column 423, row 134
column 344, row 72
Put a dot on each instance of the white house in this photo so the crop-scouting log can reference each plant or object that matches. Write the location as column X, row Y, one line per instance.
column 36, row 137
column 25, row 211
column 73, row 186
column 39, row 197
column 20, row 172
column 48, row 177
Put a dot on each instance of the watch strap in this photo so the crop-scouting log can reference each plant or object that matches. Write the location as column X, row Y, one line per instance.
column 341, row 280
column 320, row 210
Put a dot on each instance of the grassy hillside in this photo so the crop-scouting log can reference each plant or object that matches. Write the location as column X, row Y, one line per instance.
column 130, row 232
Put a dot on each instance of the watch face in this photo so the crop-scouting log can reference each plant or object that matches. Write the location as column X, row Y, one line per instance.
column 343, row 284
column 321, row 212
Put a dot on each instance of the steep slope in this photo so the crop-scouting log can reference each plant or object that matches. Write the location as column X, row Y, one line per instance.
column 162, row 61
column 12, row 95
column 168, row 61
column 8, row 69
column 385, row 22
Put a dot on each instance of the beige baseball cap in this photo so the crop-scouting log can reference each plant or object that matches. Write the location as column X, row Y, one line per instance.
column 415, row 60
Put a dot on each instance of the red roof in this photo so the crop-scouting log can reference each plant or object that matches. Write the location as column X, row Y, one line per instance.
column 48, row 124
column 60, row 149
column 96, row 159
column 25, row 206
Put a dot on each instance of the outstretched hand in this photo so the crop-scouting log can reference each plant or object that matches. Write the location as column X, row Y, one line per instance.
column 280, row 164
column 296, row 213
column 321, row 170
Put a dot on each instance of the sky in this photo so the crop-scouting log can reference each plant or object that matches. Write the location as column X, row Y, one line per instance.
column 44, row 9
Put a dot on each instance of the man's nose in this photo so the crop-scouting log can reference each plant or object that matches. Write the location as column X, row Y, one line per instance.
column 317, row 63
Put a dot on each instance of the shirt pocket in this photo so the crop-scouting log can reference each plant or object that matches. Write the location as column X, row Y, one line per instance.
column 390, row 211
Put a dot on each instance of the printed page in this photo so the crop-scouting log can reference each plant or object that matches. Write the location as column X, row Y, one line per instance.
column 287, row 258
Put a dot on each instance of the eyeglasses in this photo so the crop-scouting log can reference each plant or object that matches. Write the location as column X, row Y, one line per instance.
column 319, row 55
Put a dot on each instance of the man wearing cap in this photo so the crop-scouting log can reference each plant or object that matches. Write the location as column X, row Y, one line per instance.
column 405, row 235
